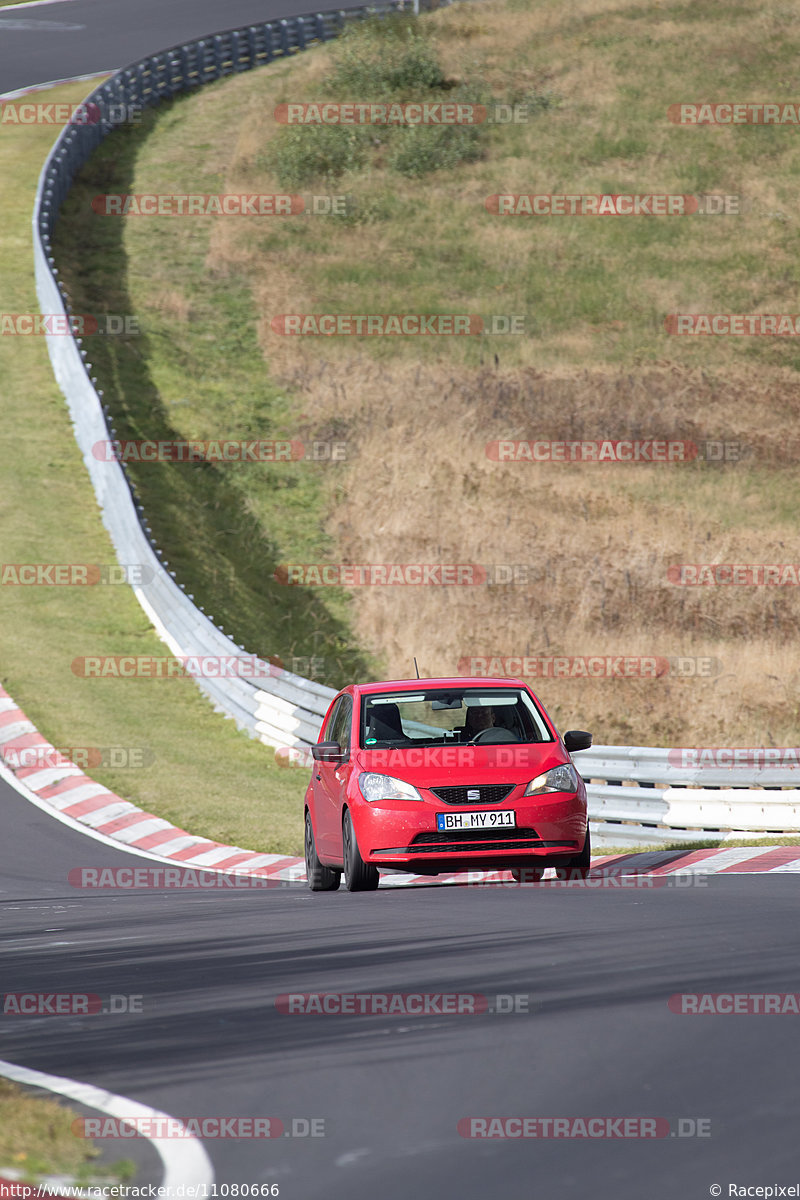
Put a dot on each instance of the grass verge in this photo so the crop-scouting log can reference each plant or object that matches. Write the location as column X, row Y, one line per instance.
column 707, row 844
column 37, row 1139
column 204, row 775
column 593, row 543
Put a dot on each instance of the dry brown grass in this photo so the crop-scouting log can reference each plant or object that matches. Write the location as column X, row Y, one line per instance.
column 598, row 537
column 417, row 416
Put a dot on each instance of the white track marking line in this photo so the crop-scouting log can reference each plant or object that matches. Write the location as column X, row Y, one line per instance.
column 115, row 843
column 52, row 83
column 184, row 1158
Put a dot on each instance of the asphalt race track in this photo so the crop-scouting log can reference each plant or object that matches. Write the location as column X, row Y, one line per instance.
column 596, row 968
column 593, row 967
column 78, row 37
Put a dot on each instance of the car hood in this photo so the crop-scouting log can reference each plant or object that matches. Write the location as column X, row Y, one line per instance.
column 437, row 766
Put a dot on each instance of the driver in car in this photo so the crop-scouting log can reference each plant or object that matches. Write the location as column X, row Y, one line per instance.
column 478, row 719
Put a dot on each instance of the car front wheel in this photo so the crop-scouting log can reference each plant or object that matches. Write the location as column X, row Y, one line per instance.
column 319, row 877
column 358, row 875
column 579, row 866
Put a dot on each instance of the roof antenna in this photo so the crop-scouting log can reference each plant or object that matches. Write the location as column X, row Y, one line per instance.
column 416, row 668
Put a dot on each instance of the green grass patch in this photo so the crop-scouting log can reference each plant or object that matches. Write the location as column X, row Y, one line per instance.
column 36, row 1139
column 205, row 776
column 707, row 844
column 196, row 372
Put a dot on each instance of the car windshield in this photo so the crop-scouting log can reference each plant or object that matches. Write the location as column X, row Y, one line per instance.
column 459, row 716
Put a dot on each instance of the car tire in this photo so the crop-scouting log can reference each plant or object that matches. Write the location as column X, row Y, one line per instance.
column 527, row 874
column 319, row 877
column 579, row 866
column 358, row 875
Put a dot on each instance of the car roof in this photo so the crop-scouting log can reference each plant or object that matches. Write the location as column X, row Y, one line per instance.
column 447, row 681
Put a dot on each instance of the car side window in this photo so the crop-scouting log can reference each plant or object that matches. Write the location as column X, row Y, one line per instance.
column 332, row 719
column 340, row 728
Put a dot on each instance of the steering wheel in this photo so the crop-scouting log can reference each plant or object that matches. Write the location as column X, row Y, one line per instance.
column 492, row 736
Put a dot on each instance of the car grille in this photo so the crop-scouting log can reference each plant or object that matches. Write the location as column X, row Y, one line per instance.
column 475, row 839
column 492, row 793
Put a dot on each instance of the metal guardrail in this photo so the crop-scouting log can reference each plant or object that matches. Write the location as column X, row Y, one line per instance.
column 639, row 795
column 289, row 710
column 286, row 711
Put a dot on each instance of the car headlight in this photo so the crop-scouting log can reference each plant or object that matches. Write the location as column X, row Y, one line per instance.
column 559, row 779
column 384, row 787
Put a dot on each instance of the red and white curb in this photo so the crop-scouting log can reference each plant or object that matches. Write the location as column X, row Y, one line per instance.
column 71, row 796
column 91, row 808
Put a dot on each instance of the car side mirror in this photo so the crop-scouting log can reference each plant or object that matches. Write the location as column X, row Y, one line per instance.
column 328, row 752
column 577, row 739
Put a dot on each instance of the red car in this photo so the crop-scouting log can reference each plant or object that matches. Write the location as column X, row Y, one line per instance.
column 442, row 775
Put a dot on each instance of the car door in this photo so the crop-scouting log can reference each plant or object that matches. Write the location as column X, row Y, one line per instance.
column 330, row 782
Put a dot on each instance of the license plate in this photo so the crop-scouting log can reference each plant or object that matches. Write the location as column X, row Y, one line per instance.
column 475, row 820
